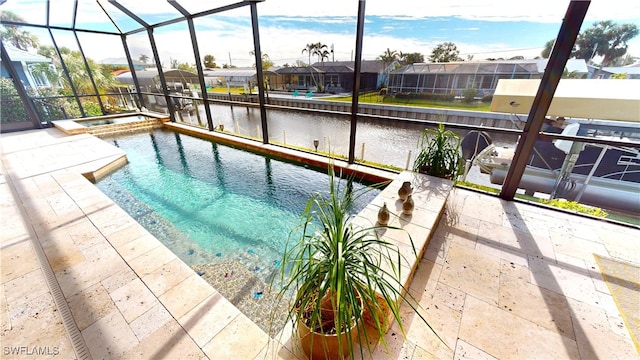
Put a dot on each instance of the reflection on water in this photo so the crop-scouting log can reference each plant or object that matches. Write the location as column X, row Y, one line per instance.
column 385, row 142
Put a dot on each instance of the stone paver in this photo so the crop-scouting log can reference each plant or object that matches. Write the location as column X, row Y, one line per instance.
column 110, row 337
column 505, row 335
column 241, row 339
column 207, row 319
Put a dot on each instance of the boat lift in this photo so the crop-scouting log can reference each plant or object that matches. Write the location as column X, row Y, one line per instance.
column 586, row 102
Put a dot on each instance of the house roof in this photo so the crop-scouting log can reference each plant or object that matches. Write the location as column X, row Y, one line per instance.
column 118, row 72
column 234, row 72
column 16, row 54
column 490, row 67
column 631, row 70
column 123, row 61
column 573, row 65
column 337, row 68
column 299, row 70
column 366, row 66
column 149, row 77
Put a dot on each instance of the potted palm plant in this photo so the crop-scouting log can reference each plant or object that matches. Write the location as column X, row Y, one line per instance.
column 439, row 153
column 338, row 274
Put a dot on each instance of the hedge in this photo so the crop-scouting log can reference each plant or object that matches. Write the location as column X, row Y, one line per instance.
column 425, row 96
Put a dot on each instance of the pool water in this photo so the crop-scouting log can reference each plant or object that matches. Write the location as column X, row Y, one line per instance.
column 211, row 203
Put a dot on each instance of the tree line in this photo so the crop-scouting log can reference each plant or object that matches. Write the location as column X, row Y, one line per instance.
column 604, row 38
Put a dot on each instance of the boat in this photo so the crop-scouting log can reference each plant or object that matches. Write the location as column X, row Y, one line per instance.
column 599, row 175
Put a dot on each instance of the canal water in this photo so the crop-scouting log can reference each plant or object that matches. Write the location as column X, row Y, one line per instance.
column 380, row 141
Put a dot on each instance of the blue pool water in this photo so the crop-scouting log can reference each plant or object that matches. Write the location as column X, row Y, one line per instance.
column 212, row 203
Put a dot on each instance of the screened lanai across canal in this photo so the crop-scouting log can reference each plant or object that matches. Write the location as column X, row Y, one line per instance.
column 514, row 250
column 455, row 77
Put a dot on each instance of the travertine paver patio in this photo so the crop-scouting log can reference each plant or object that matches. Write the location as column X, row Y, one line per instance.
column 498, row 280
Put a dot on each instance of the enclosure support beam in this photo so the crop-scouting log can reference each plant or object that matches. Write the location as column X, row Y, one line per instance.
column 64, row 66
column 259, row 73
column 66, row 74
column 356, row 82
column 557, row 61
column 84, row 58
column 24, row 96
column 86, row 65
column 132, row 70
column 156, row 57
column 55, row 27
column 163, row 81
column 196, row 54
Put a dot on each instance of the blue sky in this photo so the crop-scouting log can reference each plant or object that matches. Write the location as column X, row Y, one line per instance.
column 519, row 38
column 482, row 28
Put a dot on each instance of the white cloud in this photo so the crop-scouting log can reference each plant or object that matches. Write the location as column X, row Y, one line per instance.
column 221, row 36
column 493, row 10
column 319, row 20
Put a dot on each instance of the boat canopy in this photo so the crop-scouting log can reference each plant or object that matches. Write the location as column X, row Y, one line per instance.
column 606, row 99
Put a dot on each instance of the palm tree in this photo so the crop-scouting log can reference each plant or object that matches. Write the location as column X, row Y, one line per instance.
column 605, row 38
column 310, row 49
column 320, row 50
column 51, row 71
column 47, row 70
column 322, row 53
column 387, row 58
column 209, row 61
column 266, row 61
column 21, row 39
column 143, row 58
column 103, row 78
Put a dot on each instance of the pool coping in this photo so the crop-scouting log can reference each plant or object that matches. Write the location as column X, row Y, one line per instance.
column 73, row 126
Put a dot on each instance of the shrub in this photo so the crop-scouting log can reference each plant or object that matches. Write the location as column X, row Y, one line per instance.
column 425, row 96
column 11, row 105
column 469, row 95
column 487, row 98
column 91, row 108
column 577, row 207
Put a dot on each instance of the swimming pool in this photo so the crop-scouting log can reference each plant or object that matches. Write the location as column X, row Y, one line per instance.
column 211, row 203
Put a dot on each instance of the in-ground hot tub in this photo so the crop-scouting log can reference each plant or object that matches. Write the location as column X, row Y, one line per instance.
column 111, row 124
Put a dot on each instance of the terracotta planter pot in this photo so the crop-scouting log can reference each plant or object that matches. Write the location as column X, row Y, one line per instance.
column 317, row 345
column 322, row 346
